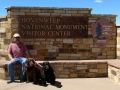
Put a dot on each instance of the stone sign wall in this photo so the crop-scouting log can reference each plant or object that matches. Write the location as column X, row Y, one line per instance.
column 118, row 41
column 56, row 33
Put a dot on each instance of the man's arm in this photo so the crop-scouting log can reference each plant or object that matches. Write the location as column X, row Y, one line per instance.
column 11, row 58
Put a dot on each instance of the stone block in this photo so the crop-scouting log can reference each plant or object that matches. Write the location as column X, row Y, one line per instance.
column 95, row 49
column 61, row 50
column 7, row 41
column 39, row 47
column 62, row 58
column 111, row 42
column 64, row 55
column 112, row 53
column 59, row 40
column 102, row 70
column 102, row 66
column 73, row 75
column 93, row 70
column 36, row 10
column 102, row 57
column 59, row 11
column 5, row 46
column 51, row 50
column 8, row 30
column 24, row 10
column 65, row 14
column 47, row 11
column 90, row 21
column 14, row 25
column 75, row 46
column 44, row 14
column 71, row 11
column 78, row 14
column 92, row 66
column 84, row 46
column 30, row 47
column 85, row 54
column 81, row 67
column 53, row 54
column 55, row 47
column 57, row 43
column 43, row 52
column 58, row 69
column 2, row 30
column 49, row 46
column 2, row 35
column 49, row 58
column 17, row 13
column 111, row 57
column 67, row 40
column 33, row 52
column 113, row 49
column 74, row 57
column 68, row 65
column 31, row 13
column 88, row 41
column 45, row 42
column 110, row 46
column 77, row 40
column 91, row 75
column 73, row 51
column 65, row 72
column 66, row 45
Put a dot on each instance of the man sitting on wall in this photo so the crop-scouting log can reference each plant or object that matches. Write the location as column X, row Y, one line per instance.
column 16, row 52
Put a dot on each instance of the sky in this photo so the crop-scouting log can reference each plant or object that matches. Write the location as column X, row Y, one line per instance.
column 98, row 6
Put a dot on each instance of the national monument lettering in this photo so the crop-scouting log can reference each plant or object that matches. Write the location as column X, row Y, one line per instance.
column 51, row 27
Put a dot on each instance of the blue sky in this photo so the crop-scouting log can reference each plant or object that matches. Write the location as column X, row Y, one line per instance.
column 98, row 6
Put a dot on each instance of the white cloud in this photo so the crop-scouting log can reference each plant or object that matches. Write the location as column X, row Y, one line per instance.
column 99, row 1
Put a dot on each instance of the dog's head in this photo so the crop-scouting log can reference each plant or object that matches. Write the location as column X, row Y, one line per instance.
column 29, row 63
column 46, row 65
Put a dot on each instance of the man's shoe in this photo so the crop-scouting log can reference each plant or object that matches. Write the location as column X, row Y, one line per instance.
column 10, row 81
column 21, row 80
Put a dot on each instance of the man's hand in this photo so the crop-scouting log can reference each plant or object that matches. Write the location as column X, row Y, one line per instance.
column 13, row 60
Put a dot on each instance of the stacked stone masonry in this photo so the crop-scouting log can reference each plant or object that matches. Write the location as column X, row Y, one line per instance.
column 57, row 48
column 75, row 69
column 114, row 71
column 67, row 70
column 118, row 41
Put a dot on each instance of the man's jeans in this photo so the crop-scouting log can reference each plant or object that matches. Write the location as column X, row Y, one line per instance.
column 11, row 67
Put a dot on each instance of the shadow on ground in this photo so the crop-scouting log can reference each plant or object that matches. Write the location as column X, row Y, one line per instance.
column 57, row 84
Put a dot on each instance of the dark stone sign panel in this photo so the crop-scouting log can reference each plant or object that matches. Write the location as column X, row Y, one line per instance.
column 53, row 27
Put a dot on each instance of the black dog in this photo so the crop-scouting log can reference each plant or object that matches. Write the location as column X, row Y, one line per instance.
column 49, row 73
column 32, row 72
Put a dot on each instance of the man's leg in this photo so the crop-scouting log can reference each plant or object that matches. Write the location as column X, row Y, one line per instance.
column 11, row 71
column 23, row 60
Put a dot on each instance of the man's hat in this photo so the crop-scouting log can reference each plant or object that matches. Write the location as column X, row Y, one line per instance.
column 16, row 35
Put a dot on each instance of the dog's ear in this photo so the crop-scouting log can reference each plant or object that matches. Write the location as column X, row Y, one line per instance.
column 47, row 63
column 43, row 63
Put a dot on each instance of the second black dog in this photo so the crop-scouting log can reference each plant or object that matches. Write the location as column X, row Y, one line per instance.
column 49, row 73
